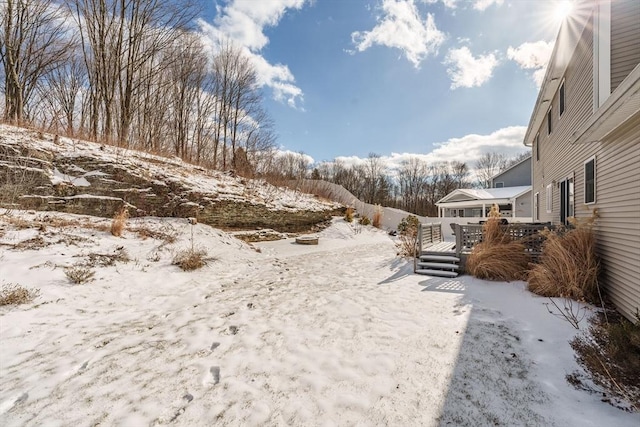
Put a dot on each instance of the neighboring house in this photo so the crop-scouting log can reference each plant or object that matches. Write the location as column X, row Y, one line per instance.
column 511, row 191
column 585, row 138
column 516, row 175
column 514, row 203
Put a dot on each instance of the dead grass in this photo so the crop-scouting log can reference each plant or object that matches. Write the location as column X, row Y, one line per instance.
column 119, row 222
column 32, row 244
column 365, row 220
column 79, row 274
column 497, row 257
column 611, row 355
column 190, row 259
column 148, row 233
column 348, row 215
column 568, row 265
column 13, row 294
column 107, row 260
column 376, row 221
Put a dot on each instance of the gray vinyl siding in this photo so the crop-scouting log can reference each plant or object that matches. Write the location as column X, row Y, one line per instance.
column 518, row 175
column 558, row 157
column 625, row 49
column 618, row 225
column 617, row 173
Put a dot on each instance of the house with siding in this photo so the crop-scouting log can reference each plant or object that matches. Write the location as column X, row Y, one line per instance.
column 585, row 137
column 516, row 175
column 510, row 190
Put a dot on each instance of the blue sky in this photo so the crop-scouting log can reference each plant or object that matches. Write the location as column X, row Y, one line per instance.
column 442, row 79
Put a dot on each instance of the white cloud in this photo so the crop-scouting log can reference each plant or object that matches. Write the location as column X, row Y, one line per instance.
column 467, row 149
column 243, row 22
column 470, row 148
column 532, row 56
column 480, row 5
column 465, row 70
column 484, row 4
column 402, row 27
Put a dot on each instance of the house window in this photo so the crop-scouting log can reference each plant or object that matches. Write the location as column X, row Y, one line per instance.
column 549, row 122
column 499, row 184
column 536, row 204
column 590, row 181
column 562, row 104
column 537, row 143
column 549, row 198
column 566, row 200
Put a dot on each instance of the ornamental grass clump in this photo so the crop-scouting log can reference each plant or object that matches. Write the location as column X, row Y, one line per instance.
column 377, row 217
column 568, row 265
column 497, row 257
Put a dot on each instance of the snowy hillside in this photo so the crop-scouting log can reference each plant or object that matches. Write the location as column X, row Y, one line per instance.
column 341, row 333
column 45, row 172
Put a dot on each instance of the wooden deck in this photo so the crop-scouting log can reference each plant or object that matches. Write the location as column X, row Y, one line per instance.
column 440, row 248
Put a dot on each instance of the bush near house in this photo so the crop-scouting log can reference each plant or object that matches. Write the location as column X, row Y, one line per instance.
column 408, row 230
column 610, row 352
column 497, row 257
column 568, row 265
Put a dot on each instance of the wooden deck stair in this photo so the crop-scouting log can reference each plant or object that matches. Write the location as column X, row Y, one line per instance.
column 435, row 257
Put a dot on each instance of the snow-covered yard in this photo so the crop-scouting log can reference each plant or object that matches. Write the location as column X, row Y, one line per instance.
column 341, row 333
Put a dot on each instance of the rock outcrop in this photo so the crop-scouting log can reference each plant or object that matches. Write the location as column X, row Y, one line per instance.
column 43, row 172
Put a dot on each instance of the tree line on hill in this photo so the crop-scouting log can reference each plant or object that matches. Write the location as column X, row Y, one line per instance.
column 132, row 73
column 415, row 186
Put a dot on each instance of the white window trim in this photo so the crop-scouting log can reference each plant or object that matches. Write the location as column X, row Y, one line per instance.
column 549, row 121
column 595, row 180
column 560, row 111
column 495, row 184
column 549, row 198
column 537, row 147
column 536, row 206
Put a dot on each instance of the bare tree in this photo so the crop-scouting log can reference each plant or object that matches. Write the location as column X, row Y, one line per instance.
column 374, row 171
column 33, row 42
column 489, row 165
column 119, row 39
column 61, row 91
column 412, row 181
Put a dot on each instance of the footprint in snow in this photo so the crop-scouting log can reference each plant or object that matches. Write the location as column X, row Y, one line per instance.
column 213, row 376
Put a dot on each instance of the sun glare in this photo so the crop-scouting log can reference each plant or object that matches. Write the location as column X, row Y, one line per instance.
column 562, row 10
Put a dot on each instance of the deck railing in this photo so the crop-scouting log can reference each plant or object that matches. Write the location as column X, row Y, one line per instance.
column 469, row 235
column 428, row 234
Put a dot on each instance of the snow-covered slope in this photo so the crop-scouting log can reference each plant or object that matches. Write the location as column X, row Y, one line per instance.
column 278, row 334
column 58, row 173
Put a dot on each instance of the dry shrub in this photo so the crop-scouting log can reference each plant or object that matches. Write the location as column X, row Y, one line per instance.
column 568, row 265
column 365, row 220
column 190, row 259
column 408, row 229
column 348, row 216
column 119, row 221
column 377, row 217
column 497, row 257
column 79, row 274
column 13, row 294
column 611, row 355
column 146, row 233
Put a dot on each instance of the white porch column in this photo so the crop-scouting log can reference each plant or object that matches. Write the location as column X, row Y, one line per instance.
column 513, row 209
column 484, row 210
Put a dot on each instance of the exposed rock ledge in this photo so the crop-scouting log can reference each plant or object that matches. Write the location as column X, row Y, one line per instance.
column 46, row 173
